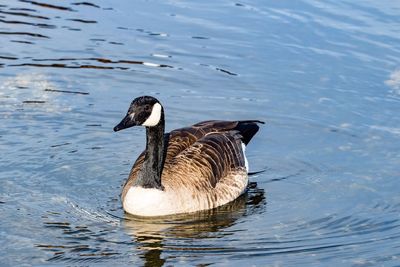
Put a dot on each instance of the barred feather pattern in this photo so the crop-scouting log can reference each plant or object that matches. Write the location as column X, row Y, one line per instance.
column 204, row 166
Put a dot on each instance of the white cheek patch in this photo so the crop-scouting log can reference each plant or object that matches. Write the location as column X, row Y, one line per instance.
column 132, row 115
column 154, row 117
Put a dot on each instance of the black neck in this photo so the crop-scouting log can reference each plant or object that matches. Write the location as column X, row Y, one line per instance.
column 150, row 173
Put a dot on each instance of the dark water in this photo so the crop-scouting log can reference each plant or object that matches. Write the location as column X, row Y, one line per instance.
column 325, row 75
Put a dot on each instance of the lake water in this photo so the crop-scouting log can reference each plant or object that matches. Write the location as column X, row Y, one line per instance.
column 324, row 75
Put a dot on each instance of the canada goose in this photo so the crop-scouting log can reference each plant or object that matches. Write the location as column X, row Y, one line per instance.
column 195, row 168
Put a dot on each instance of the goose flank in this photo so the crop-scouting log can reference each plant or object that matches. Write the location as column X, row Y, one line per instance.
column 195, row 168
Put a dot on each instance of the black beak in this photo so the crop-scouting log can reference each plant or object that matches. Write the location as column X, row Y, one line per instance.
column 125, row 123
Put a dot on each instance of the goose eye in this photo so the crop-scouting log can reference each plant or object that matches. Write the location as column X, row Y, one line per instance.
column 147, row 108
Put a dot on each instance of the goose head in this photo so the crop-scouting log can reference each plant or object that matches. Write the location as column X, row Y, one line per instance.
column 143, row 111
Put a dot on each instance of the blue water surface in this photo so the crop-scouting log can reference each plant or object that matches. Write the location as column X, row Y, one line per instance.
column 324, row 75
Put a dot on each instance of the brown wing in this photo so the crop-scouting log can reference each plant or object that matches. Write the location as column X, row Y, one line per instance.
column 181, row 140
column 211, row 158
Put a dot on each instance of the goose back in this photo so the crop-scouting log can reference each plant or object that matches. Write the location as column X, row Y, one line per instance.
column 206, row 159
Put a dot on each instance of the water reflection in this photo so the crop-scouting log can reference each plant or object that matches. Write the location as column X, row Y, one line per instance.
column 85, row 4
column 47, row 5
column 153, row 236
column 394, row 81
column 24, row 14
column 89, row 236
column 26, row 27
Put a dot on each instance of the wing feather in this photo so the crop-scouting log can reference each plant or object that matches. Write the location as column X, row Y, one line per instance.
column 208, row 150
column 207, row 161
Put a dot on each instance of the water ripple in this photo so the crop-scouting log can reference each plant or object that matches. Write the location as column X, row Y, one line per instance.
column 323, row 75
column 46, row 5
column 95, row 242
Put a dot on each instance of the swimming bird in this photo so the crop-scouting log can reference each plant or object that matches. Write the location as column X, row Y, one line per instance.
column 195, row 168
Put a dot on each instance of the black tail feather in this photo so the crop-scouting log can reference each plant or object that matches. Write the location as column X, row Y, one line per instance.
column 248, row 129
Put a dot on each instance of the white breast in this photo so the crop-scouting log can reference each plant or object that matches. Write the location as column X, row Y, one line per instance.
column 147, row 202
column 154, row 202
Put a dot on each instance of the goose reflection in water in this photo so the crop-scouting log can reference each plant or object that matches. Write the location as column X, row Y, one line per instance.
column 152, row 235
